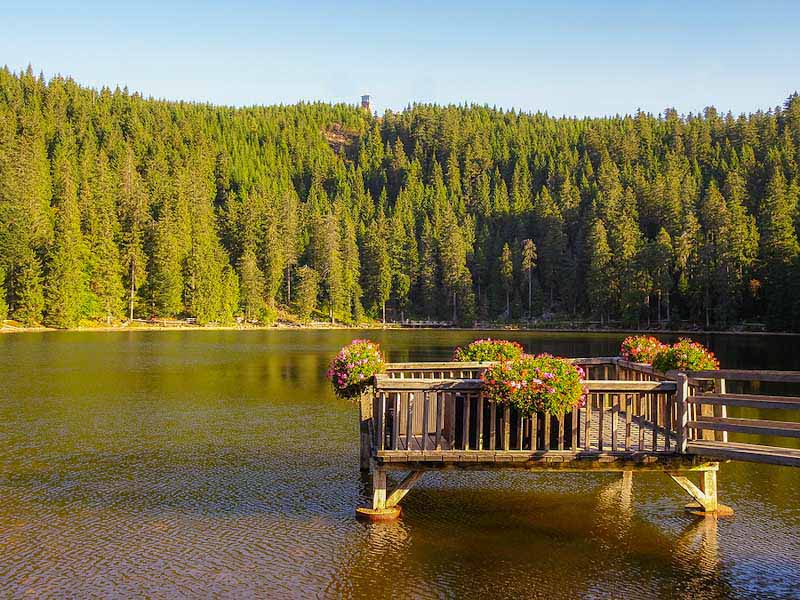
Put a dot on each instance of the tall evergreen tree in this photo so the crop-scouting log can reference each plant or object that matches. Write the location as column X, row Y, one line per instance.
column 66, row 280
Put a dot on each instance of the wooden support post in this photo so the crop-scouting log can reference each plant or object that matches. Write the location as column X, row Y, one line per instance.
column 705, row 495
column 681, row 429
column 720, row 410
column 379, row 511
column 365, row 427
column 378, row 488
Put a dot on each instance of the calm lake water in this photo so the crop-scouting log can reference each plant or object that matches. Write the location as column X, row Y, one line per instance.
column 219, row 463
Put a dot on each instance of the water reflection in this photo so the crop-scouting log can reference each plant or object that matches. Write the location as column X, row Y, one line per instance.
column 220, row 464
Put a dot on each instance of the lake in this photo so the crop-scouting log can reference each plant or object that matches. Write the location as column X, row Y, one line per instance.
column 219, row 463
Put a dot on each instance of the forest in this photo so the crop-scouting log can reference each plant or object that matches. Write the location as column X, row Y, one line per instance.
column 113, row 206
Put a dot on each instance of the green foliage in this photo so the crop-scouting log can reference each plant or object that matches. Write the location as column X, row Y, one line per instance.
column 3, row 303
column 535, row 384
column 685, row 355
column 488, row 350
column 307, row 291
column 111, row 203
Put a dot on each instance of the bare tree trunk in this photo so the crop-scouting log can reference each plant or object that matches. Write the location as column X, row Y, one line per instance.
column 659, row 307
column 454, row 307
column 288, row 284
column 530, row 304
column 384, row 313
column 133, row 289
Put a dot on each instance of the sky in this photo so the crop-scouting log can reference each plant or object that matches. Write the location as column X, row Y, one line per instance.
column 565, row 58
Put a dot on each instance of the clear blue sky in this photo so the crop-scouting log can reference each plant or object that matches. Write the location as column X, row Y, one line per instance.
column 579, row 58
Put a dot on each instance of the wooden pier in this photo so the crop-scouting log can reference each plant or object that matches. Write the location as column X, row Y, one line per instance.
column 420, row 417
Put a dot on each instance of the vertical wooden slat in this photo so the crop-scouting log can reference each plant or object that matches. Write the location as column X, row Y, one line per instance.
column 381, row 421
column 628, row 420
column 396, row 421
column 588, row 410
column 534, row 427
column 546, row 431
column 654, row 419
column 601, row 402
column 561, row 432
column 575, row 421
column 439, row 418
column 519, row 430
column 426, row 408
column 506, row 428
column 466, row 399
column 640, row 413
column 667, row 421
column 492, row 425
column 479, row 422
column 410, row 422
column 450, row 417
column 614, row 415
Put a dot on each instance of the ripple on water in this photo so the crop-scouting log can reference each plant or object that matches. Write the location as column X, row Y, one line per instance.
column 218, row 464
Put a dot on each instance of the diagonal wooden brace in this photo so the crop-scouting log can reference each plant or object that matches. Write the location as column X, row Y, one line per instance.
column 705, row 494
column 403, row 488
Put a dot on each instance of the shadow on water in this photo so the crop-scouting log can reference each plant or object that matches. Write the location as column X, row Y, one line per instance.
column 509, row 543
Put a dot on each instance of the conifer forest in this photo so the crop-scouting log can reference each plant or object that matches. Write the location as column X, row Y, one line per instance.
column 113, row 205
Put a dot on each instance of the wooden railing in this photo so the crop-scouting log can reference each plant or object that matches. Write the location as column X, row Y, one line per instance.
column 708, row 422
column 440, row 407
column 448, row 414
column 596, row 368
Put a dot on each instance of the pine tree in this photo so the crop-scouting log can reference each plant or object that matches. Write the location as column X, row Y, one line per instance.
column 456, row 277
column 27, row 288
column 307, row 291
column 252, row 285
column 507, row 276
column 133, row 218
column 105, row 279
column 377, row 266
column 599, row 272
column 779, row 246
column 66, row 281
column 529, row 257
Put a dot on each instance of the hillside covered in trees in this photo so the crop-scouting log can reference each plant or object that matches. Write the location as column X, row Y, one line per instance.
column 112, row 204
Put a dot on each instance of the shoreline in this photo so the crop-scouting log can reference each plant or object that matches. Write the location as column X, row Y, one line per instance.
column 320, row 326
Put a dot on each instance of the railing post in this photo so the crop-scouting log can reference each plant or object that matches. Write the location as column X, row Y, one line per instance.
column 681, row 401
column 721, row 410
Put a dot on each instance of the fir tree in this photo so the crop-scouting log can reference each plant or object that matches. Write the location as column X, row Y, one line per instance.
column 307, row 291
column 66, row 281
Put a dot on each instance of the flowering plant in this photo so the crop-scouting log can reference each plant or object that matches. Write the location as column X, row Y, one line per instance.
column 685, row 355
column 488, row 350
column 352, row 369
column 540, row 383
column 640, row 348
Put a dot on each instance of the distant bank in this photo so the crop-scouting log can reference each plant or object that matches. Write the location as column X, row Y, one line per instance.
column 321, row 325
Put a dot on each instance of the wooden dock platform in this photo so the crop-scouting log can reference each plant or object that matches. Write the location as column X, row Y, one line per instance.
column 419, row 417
